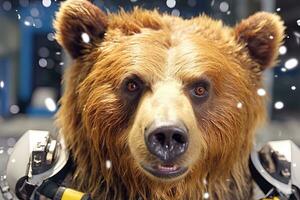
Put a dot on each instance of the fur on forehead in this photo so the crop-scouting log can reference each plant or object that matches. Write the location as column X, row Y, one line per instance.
column 260, row 34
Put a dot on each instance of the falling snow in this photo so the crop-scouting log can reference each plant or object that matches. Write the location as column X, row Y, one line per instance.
column 34, row 12
column 50, row 104
column 1, row 84
column 278, row 105
column 14, row 109
column 85, row 37
column 175, row 12
column 261, row 92
column 6, row 6
column 108, row 164
column 297, row 36
column 283, row 69
column 298, row 22
column 27, row 23
column 46, row 3
column 43, row 52
column 50, row 36
column 293, row 87
column 206, row 195
column 224, row 6
column 38, row 23
column 291, row 63
column 278, row 9
column 294, row 165
column 171, row 3
column 282, row 50
column 239, row 105
column 43, row 62
column 271, row 37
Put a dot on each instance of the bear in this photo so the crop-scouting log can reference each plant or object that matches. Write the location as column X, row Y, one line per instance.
column 160, row 107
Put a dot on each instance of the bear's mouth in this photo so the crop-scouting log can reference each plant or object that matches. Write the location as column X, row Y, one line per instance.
column 165, row 170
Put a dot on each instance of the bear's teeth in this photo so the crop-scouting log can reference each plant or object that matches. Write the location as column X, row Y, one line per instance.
column 167, row 168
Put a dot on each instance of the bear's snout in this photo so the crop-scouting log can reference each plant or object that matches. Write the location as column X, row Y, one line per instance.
column 167, row 141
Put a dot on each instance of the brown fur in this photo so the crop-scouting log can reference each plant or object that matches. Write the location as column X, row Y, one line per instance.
column 98, row 123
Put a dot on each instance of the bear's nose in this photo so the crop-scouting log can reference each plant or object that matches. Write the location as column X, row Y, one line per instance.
column 167, row 141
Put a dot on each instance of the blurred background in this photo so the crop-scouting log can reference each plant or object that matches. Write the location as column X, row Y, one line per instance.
column 32, row 63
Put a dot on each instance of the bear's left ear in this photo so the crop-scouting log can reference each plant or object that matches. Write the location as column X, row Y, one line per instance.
column 79, row 25
column 262, row 34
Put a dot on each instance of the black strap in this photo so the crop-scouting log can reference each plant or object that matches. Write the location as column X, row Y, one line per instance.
column 264, row 185
column 50, row 186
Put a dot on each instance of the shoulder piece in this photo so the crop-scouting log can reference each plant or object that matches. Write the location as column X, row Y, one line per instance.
column 276, row 169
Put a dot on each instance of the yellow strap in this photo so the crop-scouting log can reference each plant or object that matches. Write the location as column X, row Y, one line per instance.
column 274, row 198
column 70, row 194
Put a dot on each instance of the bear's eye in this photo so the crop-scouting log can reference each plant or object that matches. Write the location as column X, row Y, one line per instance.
column 199, row 90
column 132, row 86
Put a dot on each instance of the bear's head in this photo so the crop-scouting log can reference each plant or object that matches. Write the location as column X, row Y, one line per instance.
column 159, row 107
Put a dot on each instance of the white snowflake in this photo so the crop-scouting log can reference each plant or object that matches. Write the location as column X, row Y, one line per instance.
column 239, row 105
column 297, row 36
column 1, row 84
column 175, row 12
column 14, row 109
column 278, row 105
column 50, row 104
column 282, row 50
column 291, row 63
column 85, row 37
column 206, row 195
column 261, row 92
column 27, row 23
column 283, row 69
column 171, row 3
column 294, row 165
column 46, row 3
column 224, row 6
column 43, row 62
column 108, row 164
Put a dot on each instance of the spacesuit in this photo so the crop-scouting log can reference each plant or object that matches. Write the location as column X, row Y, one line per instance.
column 39, row 167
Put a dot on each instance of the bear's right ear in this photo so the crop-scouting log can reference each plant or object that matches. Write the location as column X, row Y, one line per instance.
column 79, row 25
column 262, row 34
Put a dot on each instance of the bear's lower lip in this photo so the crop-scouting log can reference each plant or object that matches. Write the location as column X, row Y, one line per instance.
column 165, row 170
